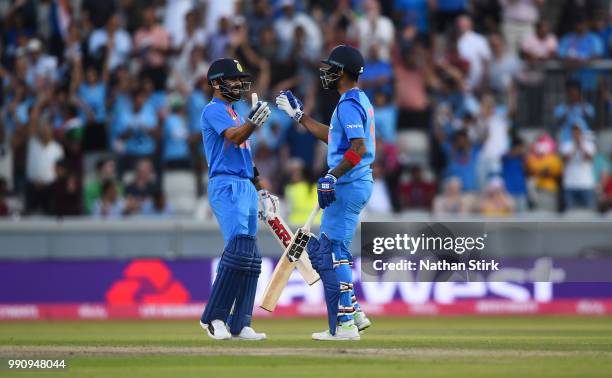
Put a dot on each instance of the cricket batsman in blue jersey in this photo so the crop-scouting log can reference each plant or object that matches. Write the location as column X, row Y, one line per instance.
column 234, row 193
column 344, row 190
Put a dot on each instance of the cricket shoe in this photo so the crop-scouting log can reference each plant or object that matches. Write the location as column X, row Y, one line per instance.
column 343, row 332
column 248, row 333
column 217, row 330
column 361, row 321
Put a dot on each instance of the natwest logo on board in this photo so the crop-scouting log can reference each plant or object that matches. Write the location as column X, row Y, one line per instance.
column 147, row 281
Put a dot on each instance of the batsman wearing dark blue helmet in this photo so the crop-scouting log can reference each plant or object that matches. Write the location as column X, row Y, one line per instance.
column 344, row 190
column 233, row 194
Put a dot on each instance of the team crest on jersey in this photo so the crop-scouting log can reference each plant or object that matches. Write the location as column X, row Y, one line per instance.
column 238, row 66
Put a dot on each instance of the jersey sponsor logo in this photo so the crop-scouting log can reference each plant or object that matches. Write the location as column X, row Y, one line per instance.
column 354, row 126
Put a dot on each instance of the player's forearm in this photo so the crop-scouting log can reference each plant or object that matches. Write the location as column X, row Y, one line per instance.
column 359, row 148
column 239, row 134
column 317, row 129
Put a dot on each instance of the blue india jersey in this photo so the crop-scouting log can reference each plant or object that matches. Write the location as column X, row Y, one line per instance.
column 223, row 156
column 352, row 118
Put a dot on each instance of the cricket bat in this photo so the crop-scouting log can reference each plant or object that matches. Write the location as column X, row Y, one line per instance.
column 287, row 263
column 282, row 233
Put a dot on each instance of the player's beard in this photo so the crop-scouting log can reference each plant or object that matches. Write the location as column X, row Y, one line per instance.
column 233, row 92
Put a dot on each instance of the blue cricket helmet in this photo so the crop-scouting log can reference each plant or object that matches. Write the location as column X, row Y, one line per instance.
column 342, row 58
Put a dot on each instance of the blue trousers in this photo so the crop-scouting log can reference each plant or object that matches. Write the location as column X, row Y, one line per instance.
column 339, row 223
column 234, row 203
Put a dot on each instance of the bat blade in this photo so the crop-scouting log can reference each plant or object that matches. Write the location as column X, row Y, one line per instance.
column 287, row 263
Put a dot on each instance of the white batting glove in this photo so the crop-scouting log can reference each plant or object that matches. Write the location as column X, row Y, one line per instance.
column 291, row 105
column 269, row 205
column 260, row 111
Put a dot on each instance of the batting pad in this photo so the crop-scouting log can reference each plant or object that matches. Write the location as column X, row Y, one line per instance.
column 237, row 273
column 321, row 257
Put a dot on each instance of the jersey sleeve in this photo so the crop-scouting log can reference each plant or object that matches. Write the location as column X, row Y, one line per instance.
column 351, row 116
column 218, row 118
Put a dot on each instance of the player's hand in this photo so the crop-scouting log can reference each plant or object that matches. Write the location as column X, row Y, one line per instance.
column 269, row 205
column 260, row 111
column 290, row 104
column 326, row 190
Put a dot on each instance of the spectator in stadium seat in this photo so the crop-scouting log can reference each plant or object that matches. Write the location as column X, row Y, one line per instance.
column 575, row 110
column 105, row 171
column 413, row 76
column 579, row 48
column 578, row 174
column 101, row 39
column 452, row 201
column 42, row 68
column 514, row 173
column 540, row 45
column 374, row 29
column 474, row 48
column 111, row 204
column 446, row 13
column 377, row 74
column 285, row 25
column 416, row 193
column 158, row 206
column 415, row 12
column 301, row 195
column 137, row 131
column 545, row 168
column 151, row 44
column 602, row 26
column 258, row 19
column 385, row 117
column 495, row 201
column 65, row 192
column 92, row 97
column 4, row 208
column 462, row 157
column 43, row 153
column 496, row 141
column 219, row 42
column 503, row 70
column 605, row 195
column 380, row 200
column 143, row 186
column 519, row 18
column 175, row 149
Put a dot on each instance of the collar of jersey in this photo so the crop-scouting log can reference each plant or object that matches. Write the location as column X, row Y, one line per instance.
column 349, row 91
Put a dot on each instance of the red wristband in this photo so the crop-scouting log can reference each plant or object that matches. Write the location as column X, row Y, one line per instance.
column 352, row 157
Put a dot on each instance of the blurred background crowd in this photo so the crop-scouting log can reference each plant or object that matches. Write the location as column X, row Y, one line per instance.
column 483, row 107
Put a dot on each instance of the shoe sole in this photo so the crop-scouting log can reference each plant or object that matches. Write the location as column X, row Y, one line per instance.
column 245, row 339
column 354, row 338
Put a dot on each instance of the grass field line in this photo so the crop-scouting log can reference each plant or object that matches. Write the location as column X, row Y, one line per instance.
column 88, row 350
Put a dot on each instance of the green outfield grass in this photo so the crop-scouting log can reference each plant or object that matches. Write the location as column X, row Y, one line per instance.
column 393, row 347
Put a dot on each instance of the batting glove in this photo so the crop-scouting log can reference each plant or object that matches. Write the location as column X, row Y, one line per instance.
column 326, row 190
column 260, row 111
column 290, row 104
column 269, row 205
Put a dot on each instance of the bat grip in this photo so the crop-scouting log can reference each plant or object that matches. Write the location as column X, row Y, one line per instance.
column 311, row 217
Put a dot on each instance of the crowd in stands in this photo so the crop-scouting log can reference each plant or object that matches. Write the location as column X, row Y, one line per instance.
column 101, row 99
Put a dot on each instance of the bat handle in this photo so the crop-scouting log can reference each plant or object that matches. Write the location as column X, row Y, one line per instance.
column 311, row 217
